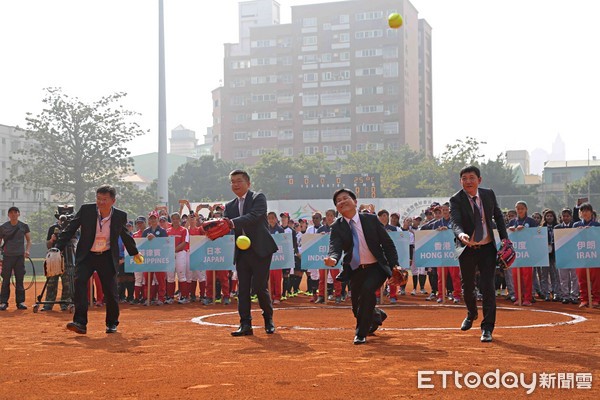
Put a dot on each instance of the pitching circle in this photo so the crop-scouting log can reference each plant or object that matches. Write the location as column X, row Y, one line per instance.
column 574, row 319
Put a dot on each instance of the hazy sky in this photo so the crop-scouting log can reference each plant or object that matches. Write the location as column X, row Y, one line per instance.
column 514, row 73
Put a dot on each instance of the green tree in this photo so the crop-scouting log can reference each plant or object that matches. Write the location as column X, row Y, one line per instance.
column 134, row 201
column 79, row 146
column 404, row 172
column 204, row 179
column 588, row 184
column 40, row 221
column 268, row 174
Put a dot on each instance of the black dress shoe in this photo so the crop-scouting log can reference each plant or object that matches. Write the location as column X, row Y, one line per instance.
column 376, row 324
column 243, row 330
column 467, row 323
column 77, row 328
column 111, row 329
column 360, row 340
column 269, row 326
column 343, row 276
column 486, row 336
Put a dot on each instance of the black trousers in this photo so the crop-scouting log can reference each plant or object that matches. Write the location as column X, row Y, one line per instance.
column 10, row 264
column 484, row 260
column 363, row 284
column 253, row 273
column 103, row 264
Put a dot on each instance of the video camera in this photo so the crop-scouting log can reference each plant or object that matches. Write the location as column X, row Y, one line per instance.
column 64, row 215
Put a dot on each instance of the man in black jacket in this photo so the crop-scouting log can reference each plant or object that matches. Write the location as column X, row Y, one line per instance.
column 471, row 213
column 248, row 215
column 369, row 256
column 98, row 250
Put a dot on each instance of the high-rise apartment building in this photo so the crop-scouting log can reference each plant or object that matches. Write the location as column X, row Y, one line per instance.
column 29, row 200
column 336, row 79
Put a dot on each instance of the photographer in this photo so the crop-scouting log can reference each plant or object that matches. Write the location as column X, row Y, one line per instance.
column 64, row 215
column 13, row 234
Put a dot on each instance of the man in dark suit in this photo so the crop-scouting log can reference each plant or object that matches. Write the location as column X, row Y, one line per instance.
column 98, row 250
column 471, row 213
column 369, row 256
column 248, row 215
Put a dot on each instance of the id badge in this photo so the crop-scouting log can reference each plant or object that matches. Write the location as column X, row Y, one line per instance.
column 99, row 244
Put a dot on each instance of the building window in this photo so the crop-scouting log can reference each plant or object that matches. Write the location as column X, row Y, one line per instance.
column 288, row 151
column 310, row 136
column 368, row 53
column 311, row 77
column 311, row 150
column 375, row 33
column 344, row 19
column 390, row 128
column 309, row 22
column 390, row 52
column 560, row 177
column 264, row 115
column 240, row 136
column 369, row 109
column 363, row 128
column 326, row 57
column 309, row 40
column 286, row 134
column 390, row 70
column 370, row 15
column 262, row 133
column 344, row 37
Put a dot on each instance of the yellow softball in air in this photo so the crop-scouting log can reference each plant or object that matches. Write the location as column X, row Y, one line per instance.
column 138, row 258
column 243, row 242
column 395, row 20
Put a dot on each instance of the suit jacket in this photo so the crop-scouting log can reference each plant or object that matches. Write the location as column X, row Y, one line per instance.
column 86, row 219
column 377, row 238
column 253, row 223
column 462, row 219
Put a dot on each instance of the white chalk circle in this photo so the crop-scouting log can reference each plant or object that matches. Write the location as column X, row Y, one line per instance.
column 573, row 319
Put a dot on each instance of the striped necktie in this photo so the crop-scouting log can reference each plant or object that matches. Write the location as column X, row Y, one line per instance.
column 478, row 221
column 355, row 261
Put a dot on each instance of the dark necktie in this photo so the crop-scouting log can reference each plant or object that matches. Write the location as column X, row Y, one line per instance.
column 241, row 205
column 355, row 262
column 478, row 221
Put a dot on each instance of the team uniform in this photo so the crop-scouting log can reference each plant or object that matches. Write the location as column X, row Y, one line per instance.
column 181, row 236
column 526, row 273
column 594, row 275
column 159, row 277
column 454, row 272
column 569, row 284
column 194, row 277
column 138, row 291
column 324, row 276
column 276, row 275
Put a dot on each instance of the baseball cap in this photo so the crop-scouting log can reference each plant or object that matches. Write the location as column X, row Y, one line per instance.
column 395, row 214
column 129, row 223
column 14, row 208
column 140, row 218
column 153, row 214
column 163, row 218
column 418, row 217
column 284, row 214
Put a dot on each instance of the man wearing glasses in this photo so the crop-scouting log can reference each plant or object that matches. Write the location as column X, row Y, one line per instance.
column 98, row 250
column 248, row 216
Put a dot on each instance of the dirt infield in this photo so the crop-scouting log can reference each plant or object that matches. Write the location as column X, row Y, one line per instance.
column 160, row 353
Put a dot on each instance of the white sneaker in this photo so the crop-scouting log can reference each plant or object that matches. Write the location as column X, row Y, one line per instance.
column 183, row 300
column 169, row 301
column 414, row 292
column 275, row 301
